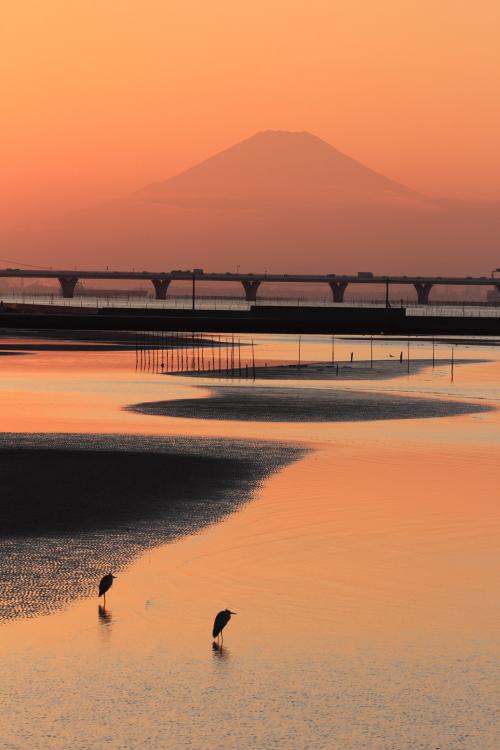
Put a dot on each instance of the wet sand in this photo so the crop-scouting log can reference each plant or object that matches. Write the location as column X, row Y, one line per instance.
column 365, row 578
column 253, row 403
column 74, row 505
column 363, row 370
column 90, row 341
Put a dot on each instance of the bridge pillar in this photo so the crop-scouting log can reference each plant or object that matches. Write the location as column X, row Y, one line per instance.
column 423, row 290
column 68, row 284
column 161, row 286
column 338, row 288
column 250, row 288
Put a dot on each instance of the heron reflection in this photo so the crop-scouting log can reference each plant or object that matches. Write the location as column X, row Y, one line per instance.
column 105, row 616
column 219, row 651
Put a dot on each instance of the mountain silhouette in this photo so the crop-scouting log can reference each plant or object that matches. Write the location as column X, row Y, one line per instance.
column 277, row 201
column 277, row 167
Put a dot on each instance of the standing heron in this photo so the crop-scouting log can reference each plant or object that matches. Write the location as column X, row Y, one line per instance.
column 105, row 584
column 221, row 620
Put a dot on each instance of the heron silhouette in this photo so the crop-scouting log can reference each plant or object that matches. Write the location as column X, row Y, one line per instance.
column 220, row 622
column 105, row 584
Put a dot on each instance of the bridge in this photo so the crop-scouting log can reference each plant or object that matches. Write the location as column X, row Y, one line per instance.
column 252, row 281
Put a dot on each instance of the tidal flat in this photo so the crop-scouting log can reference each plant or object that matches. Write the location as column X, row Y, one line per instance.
column 361, row 556
column 306, row 405
column 73, row 505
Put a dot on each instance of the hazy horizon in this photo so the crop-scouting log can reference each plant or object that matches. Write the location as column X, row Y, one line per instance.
column 276, row 201
column 99, row 104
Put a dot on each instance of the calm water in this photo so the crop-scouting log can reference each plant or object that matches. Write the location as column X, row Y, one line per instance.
column 364, row 571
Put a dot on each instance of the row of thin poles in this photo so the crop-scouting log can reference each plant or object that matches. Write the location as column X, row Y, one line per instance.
column 159, row 351
column 401, row 359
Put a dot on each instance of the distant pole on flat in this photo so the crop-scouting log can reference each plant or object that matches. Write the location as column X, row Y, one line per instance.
column 452, row 361
column 371, row 351
column 408, row 356
column 433, row 359
column 193, row 293
column 239, row 356
column 387, row 293
column 253, row 360
column 333, row 349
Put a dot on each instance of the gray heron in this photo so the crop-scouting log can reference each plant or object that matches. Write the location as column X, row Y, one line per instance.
column 105, row 584
column 220, row 622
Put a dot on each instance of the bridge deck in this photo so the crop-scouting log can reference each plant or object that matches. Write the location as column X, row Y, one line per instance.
column 246, row 277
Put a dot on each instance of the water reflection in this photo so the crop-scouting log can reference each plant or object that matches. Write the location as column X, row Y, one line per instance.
column 220, row 652
column 105, row 616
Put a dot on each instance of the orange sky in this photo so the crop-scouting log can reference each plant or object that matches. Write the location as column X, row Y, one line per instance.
column 99, row 98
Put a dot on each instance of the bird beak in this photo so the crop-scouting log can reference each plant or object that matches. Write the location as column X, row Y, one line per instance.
column 232, row 613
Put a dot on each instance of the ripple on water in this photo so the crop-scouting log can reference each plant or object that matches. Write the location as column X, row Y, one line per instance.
column 75, row 506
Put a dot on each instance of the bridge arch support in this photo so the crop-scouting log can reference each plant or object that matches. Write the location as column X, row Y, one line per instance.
column 251, row 288
column 160, row 287
column 68, row 284
column 338, row 288
column 423, row 290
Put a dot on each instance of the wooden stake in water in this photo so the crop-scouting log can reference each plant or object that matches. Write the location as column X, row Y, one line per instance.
column 371, row 351
column 433, row 360
column 253, row 360
column 333, row 349
column 408, row 356
column 239, row 356
column 298, row 362
column 213, row 355
column 452, row 361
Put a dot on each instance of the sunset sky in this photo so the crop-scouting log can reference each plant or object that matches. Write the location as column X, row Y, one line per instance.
column 98, row 99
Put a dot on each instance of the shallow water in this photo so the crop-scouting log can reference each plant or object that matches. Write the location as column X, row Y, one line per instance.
column 364, row 575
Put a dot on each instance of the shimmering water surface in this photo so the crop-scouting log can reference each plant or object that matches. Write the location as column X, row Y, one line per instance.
column 361, row 556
